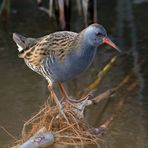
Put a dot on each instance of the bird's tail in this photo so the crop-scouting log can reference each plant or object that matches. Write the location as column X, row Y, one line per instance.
column 23, row 43
column 20, row 41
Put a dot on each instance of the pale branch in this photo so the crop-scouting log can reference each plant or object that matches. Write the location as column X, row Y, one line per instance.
column 42, row 138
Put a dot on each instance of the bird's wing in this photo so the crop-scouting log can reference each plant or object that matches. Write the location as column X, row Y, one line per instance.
column 60, row 44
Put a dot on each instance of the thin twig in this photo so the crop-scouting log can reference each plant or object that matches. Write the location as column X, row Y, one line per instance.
column 30, row 120
column 65, row 128
column 8, row 133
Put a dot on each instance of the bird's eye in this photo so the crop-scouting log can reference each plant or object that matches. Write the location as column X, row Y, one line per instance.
column 99, row 34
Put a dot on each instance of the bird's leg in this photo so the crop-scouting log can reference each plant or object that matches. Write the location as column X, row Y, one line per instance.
column 63, row 91
column 51, row 90
column 65, row 95
column 54, row 97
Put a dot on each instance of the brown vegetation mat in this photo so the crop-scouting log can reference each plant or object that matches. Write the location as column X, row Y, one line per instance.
column 70, row 132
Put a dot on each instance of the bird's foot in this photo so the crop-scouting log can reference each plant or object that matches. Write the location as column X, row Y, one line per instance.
column 84, row 97
column 67, row 103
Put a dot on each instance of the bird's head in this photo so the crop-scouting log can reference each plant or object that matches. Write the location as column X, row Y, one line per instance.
column 96, row 35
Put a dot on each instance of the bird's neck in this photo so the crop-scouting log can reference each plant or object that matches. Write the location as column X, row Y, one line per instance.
column 84, row 46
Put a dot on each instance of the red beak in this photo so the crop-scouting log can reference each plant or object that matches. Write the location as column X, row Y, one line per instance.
column 110, row 43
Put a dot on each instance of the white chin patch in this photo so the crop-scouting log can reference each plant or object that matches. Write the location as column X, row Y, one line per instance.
column 19, row 48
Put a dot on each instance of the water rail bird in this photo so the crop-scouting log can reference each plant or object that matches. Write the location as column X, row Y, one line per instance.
column 62, row 55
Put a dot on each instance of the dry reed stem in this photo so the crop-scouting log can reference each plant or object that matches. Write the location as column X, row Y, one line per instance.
column 100, row 75
column 104, row 72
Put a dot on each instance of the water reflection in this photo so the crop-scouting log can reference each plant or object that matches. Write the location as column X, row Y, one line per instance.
column 23, row 91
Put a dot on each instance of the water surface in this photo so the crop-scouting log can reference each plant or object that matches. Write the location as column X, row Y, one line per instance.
column 22, row 91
